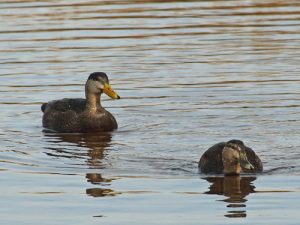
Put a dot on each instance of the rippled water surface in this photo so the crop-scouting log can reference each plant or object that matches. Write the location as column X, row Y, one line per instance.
column 189, row 73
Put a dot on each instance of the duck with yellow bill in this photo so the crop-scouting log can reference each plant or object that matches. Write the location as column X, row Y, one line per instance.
column 77, row 115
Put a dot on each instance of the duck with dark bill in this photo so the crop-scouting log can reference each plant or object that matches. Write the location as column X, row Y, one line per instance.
column 230, row 158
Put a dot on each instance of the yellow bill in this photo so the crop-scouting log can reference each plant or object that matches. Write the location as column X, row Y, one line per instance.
column 110, row 92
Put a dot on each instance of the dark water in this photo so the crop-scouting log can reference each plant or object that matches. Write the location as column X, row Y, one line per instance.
column 190, row 74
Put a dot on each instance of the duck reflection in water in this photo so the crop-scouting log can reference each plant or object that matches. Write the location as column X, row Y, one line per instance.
column 235, row 188
column 97, row 179
column 92, row 148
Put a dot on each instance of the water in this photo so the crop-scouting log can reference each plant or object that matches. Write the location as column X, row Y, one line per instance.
column 190, row 74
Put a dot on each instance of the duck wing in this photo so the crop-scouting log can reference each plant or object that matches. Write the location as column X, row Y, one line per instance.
column 63, row 115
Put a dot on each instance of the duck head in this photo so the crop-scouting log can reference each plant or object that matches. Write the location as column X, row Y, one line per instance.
column 234, row 158
column 97, row 83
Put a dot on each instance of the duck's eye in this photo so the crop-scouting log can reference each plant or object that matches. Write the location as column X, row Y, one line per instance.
column 233, row 146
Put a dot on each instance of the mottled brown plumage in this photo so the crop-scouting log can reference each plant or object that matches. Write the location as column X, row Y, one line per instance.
column 82, row 115
column 211, row 161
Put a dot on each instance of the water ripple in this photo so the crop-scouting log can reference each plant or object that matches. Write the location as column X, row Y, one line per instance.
column 190, row 73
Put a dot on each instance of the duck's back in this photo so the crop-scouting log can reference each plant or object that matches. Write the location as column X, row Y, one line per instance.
column 63, row 115
column 211, row 160
column 65, row 105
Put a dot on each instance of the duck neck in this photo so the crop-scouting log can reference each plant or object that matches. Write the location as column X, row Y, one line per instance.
column 92, row 101
column 232, row 168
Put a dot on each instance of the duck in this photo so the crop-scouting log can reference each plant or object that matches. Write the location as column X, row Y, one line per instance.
column 78, row 115
column 230, row 158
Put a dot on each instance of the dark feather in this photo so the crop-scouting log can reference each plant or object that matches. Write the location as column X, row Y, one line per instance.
column 211, row 160
column 69, row 115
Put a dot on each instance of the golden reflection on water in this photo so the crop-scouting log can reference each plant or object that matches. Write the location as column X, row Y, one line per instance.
column 208, row 62
column 235, row 189
column 192, row 73
column 96, row 145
